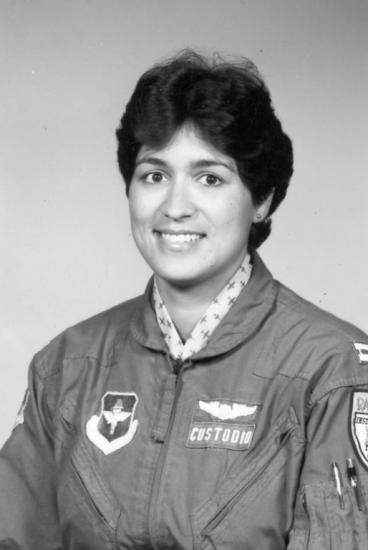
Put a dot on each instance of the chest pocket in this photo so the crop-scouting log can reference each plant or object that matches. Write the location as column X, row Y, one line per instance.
column 253, row 507
column 89, row 513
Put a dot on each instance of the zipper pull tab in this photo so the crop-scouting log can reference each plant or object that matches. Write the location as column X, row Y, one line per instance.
column 177, row 365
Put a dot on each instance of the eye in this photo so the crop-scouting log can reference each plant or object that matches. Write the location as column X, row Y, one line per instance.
column 211, row 180
column 154, row 177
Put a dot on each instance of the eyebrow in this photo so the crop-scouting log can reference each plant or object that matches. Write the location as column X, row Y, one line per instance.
column 151, row 160
column 200, row 163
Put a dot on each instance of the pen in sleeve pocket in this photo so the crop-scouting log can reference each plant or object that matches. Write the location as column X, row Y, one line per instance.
column 353, row 480
column 338, row 482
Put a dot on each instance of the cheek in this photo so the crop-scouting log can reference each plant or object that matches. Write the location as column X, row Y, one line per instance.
column 234, row 217
column 243, row 213
column 137, row 225
column 139, row 209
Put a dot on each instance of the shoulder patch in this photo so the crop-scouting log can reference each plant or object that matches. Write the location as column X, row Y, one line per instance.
column 115, row 426
column 20, row 414
column 361, row 350
column 359, row 424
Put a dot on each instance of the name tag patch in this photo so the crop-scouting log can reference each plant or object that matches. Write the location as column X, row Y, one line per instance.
column 222, row 424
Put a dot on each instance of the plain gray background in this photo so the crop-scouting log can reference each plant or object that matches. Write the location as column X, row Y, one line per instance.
column 67, row 69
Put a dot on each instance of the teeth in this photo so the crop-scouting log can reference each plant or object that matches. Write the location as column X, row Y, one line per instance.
column 181, row 237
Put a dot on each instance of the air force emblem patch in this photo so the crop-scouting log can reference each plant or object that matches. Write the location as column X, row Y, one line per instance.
column 359, row 424
column 115, row 426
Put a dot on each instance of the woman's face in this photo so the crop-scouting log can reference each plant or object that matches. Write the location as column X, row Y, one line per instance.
column 190, row 212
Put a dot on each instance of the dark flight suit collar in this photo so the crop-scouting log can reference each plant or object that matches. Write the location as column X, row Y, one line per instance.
column 244, row 318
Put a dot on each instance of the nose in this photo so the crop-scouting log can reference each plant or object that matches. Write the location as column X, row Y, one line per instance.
column 178, row 201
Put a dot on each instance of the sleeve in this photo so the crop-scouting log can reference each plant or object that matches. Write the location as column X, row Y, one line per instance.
column 331, row 509
column 28, row 505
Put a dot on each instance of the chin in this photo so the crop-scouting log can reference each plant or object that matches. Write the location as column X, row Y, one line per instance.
column 178, row 277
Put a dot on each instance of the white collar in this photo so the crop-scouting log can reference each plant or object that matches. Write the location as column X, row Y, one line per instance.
column 215, row 312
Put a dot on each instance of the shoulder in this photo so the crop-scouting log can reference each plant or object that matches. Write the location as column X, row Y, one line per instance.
column 322, row 346
column 300, row 319
column 92, row 338
column 313, row 318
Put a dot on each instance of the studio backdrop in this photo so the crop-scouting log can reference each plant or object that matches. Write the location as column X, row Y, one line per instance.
column 67, row 69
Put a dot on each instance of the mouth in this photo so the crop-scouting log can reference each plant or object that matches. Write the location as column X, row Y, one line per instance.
column 180, row 239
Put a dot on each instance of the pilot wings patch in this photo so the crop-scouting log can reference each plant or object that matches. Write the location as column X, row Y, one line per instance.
column 226, row 411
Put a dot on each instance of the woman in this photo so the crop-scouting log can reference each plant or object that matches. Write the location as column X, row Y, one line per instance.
column 218, row 410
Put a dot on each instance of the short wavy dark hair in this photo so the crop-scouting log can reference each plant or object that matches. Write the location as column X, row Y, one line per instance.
column 229, row 105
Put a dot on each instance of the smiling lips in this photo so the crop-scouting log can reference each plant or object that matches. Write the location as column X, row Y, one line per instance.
column 180, row 238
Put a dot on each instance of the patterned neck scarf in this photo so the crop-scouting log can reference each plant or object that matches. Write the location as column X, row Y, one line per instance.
column 216, row 311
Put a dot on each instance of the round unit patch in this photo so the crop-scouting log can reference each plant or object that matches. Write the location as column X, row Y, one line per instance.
column 359, row 424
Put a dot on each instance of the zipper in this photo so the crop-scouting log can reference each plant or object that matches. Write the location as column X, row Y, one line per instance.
column 177, row 368
column 305, row 507
column 222, row 513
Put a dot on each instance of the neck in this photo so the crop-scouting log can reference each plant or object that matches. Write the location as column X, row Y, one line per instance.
column 187, row 304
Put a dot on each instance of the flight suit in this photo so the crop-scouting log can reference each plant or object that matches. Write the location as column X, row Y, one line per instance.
column 118, row 446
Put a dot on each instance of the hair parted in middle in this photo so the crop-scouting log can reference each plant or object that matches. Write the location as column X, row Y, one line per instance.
column 229, row 106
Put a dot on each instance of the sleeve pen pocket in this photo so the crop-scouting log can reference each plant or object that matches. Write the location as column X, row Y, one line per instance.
column 332, row 512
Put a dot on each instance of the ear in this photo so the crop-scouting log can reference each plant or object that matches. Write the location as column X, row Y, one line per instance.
column 261, row 211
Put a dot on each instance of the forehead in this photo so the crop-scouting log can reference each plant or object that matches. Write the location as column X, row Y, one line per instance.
column 186, row 145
